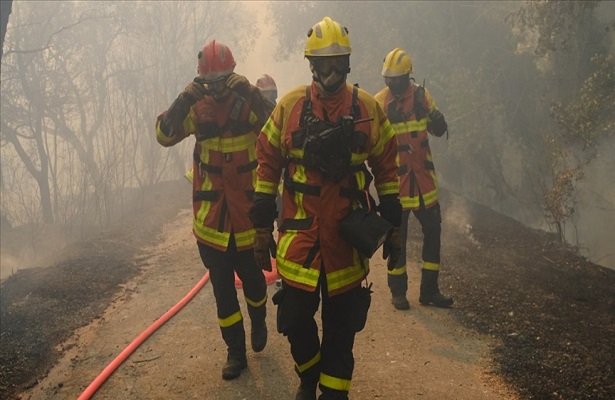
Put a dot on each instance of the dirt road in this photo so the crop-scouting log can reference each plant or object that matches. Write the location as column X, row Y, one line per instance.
column 532, row 319
column 417, row 354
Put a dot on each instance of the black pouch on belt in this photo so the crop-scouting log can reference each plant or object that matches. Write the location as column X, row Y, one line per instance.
column 364, row 229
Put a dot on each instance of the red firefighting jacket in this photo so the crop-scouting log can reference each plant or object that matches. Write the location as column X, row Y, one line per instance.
column 313, row 207
column 224, row 168
column 417, row 173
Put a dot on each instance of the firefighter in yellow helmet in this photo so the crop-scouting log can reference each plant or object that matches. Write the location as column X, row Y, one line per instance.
column 322, row 135
column 224, row 112
column 413, row 115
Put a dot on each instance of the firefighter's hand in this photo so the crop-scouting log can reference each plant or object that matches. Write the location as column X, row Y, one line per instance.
column 391, row 249
column 194, row 92
column 239, row 84
column 264, row 248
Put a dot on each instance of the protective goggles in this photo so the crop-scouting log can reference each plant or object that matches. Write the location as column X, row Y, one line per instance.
column 328, row 65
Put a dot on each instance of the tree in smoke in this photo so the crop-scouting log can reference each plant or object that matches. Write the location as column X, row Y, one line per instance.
column 82, row 83
column 571, row 43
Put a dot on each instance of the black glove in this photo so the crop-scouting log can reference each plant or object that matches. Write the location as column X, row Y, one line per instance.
column 390, row 209
column 391, row 248
column 264, row 248
column 437, row 124
column 239, row 84
column 180, row 108
column 194, row 92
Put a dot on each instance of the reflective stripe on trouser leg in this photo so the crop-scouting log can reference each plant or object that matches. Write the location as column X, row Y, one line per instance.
column 302, row 331
column 222, row 277
column 254, row 285
column 337, row 360
column 397, row 279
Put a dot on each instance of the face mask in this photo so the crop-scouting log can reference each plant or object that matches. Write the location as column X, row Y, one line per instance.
column 219, row 90
column 398, row 85
column 329, row 73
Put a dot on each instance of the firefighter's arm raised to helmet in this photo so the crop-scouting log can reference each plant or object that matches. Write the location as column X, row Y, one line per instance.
column 173, row 119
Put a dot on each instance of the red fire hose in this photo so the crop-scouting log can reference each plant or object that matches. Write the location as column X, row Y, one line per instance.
column 100, row 379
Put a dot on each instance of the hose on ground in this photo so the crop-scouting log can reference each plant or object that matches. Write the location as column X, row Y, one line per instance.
column 100, row 379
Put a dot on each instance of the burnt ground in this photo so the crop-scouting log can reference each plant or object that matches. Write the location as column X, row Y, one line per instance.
column 551, row 312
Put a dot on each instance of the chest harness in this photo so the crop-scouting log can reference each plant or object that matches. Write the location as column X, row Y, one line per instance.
column 328, row 146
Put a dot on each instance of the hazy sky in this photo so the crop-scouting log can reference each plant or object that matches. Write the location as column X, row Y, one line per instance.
column 260, row 61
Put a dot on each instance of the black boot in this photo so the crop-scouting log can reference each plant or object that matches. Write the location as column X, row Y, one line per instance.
column 233, row 367
column 235, row 338
column 400, row 302
column 258, row 336
column 430, row 292
column 307, row 389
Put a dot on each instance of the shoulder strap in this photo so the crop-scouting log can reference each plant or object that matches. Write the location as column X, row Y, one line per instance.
column 307, row 106
column 356, row 110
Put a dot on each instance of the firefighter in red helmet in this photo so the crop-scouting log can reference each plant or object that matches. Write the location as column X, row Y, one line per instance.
column 414, row 116
column 268, row 87
column 224, row 112
column 322, row 136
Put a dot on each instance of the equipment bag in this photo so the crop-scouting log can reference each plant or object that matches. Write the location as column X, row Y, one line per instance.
column 364, row 229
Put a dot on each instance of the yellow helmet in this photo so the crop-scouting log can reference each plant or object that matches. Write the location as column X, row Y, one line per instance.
column 327, row 39
column 397, row 63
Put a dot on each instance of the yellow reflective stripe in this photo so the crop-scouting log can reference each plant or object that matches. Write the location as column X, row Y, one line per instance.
column 431, row 266
column 429, row 199
column 231, row 144
column 386, row 133
column 397, row 271
column 188, row 124
column 388, row 188
column 272, row 132
column 401, row 128
column 296, row 272
column 265, row 187
column 256, row 303
column 358, row 158
column 296, row 153
column 244, row 238
column 230, row 320
column 210, row 235
column 345, row 276
column 360, row 177
column 252, row 118
column 309, row 364
column 334, row 383
column 409, row 202
column 161, row 137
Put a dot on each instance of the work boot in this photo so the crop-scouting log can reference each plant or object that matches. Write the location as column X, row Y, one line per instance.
column 400, row 302
column 307, row 389
column 430, row 292
column 233, row 367
column 258, row 336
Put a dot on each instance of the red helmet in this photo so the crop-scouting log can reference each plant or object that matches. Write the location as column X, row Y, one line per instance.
column 266, row 83
column 216, row 61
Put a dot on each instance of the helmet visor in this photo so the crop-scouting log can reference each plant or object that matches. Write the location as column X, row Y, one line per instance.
column 327, row 65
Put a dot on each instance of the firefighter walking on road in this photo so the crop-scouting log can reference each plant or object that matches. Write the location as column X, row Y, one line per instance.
column 224, row 113
column 413, row 114
column 322, row 135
